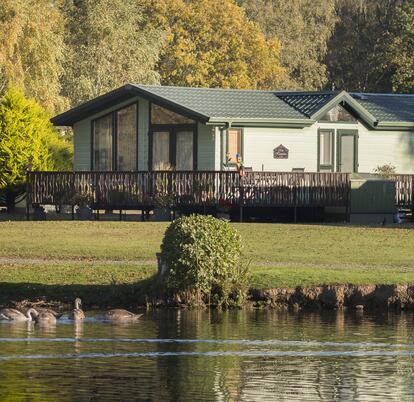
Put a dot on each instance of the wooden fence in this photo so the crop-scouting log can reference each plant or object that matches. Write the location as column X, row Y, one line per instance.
column 177, row 189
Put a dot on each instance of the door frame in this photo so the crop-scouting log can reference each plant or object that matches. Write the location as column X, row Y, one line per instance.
column 172, row 129
column 343, row 133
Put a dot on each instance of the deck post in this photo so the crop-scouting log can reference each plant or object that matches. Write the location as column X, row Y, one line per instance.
column 241, row 198
column 28, row 200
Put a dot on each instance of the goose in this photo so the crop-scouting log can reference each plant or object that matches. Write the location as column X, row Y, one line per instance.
column 44, row 317
column 11, row 314
column 121, row 315
column 77, row 313
column 48, row 310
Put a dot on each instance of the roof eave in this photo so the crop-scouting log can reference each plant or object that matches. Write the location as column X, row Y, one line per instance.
column 125, row 92
column 395, row 125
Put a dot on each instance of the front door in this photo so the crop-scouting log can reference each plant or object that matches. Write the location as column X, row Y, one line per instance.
column 347, row 160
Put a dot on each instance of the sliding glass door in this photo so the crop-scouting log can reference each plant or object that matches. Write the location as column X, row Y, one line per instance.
column 172, row 148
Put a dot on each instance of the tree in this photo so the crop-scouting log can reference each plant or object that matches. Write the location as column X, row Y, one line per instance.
column 107, row 47
column 211, row 43
column 356, row 51
column 32, row 49
column 400, row 48
column 303, row 28
column 27, row 139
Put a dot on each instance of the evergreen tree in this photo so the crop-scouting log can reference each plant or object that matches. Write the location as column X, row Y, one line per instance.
column 356, row 51
column 27, row 140
column 400, row 48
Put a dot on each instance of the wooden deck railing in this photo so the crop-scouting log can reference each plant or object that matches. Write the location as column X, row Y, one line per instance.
column 209, row 188
column 146, row 189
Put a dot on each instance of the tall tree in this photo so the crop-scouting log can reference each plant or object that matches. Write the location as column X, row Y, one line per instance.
column 400, row 48
column 107, row 47
column 32, row 49
column 356, row 51
column 211, row 43
column 303, row 28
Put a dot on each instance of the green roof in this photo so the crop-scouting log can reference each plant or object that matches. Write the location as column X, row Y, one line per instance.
column 388, row 107
column 307, row 103
column 226, row 103
column 218, row 106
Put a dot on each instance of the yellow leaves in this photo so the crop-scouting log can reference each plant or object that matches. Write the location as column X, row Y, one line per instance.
column 212, row 43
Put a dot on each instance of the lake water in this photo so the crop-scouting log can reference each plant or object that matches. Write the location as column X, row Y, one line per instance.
column 213, row 356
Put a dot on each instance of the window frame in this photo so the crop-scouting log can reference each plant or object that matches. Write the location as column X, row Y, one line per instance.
column 330, row 167
column 114, row 114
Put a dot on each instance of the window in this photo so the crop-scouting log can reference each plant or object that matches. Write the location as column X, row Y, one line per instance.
column 161, row 150
column 234, row 145
column 160, row 115
column 184, row 150
column 338, row 114
column 115, row 139
column 326, row 150
column 127, row 138
column 102, row 143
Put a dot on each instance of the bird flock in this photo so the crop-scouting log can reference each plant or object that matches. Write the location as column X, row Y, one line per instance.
column 46, row 316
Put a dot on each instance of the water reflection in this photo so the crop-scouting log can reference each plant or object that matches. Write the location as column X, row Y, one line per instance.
column 210, row 355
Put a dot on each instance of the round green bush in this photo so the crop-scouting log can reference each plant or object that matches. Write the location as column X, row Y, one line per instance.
column 203, row 259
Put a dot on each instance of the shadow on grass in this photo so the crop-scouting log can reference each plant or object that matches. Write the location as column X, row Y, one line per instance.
column 100, row 296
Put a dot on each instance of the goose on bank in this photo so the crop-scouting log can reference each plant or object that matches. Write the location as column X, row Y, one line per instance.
column 121, row 315
column 11, row 314
column 77, row 313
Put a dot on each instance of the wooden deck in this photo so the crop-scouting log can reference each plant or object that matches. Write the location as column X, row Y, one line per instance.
column 145, row 190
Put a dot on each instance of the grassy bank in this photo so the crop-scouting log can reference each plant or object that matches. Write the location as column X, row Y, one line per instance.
column 114, row 260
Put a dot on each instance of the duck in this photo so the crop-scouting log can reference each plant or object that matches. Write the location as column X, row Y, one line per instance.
column 11, row 314
column 77, row 313
column 121, row 315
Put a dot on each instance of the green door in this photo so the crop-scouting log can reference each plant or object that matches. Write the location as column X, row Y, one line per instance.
column 347, row 146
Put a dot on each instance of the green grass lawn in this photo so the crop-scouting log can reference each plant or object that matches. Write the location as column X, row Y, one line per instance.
column 110, row 254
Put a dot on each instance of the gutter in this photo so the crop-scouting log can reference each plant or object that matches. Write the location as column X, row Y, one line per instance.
column 252, row 122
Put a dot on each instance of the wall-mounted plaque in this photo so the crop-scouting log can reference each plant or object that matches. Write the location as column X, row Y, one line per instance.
column 281, row 152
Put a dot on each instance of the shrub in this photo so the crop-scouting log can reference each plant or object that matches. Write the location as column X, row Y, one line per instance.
column 385, row 171
column 203, row 259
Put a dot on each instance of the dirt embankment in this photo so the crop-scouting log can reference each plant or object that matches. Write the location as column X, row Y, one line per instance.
column 329, row 296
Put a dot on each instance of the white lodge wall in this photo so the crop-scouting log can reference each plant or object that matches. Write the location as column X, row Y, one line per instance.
column 375, row 148
column 259, row 143
column 378, row 148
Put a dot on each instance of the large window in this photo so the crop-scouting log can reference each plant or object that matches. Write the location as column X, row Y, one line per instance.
column 234, row 145
column 326, row 150
column 102, row 143
column 115, row 139
column 127, row 138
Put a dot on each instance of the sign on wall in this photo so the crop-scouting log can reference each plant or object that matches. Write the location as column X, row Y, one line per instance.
column 280, row 152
